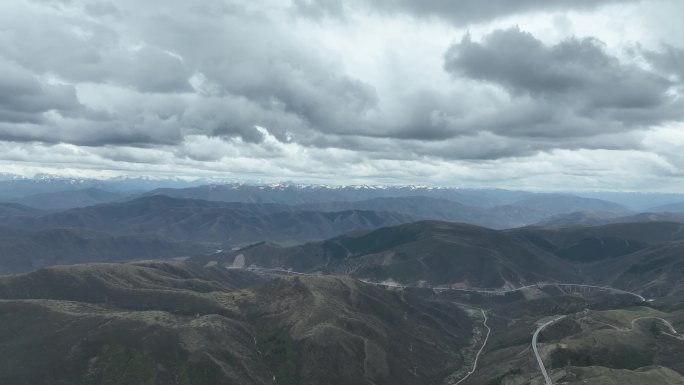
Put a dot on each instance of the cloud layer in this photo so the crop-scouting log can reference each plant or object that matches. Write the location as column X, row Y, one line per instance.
column 459, row 12
column 381, row 91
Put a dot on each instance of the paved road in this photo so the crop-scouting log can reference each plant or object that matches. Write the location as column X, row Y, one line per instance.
column 614, row 290
column 471, row 290
column 667, row 323
column 477, row 356
column 536, row 353
column 570, row 285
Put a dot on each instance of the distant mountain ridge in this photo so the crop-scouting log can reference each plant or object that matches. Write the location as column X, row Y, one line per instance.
column 15, row 186
column 291, row 194
column 15, row 209
column 597, row 219
column 63, row 200
column 677, row 207
column 22, row 252
column 516, row 214
column 225, row 225
column 554, row 204
column 207, row 221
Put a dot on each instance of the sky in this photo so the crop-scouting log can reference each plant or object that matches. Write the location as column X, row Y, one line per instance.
column 525, row 94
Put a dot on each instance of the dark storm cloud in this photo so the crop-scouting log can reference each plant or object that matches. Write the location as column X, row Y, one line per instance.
column 460, row 12
column 572, row 88
column 25, row 99
column 670, row 60
column 143, row 131
column 523, row 64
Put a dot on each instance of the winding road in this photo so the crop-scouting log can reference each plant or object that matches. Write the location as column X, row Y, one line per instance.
column 667, row 323
column 547, row 379
column 471, row 290
column 540, row 285
column 536, row 352
column 477, row 356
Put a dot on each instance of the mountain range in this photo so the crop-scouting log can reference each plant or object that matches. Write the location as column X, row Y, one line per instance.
column 24, row 251
column 225, row 225
column 442, row 253
column 205, row 221
column 359, row 285
column 63, row 200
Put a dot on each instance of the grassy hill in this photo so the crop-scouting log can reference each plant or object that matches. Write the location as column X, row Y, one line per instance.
column 177, row 323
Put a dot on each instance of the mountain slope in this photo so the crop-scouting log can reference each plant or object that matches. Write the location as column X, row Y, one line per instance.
column 27, row 251
column 656, row 271
column 436, row 252
column 589, row 244
column 465, row 255
column 15, row 209
column 183, row 324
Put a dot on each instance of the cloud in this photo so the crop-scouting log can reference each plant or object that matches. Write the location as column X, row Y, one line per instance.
column 354, row 89
column 150, row 69
column 80, row 49
column 26, row 99
column 572, row 88
column 458, row 12
column 237, row 69
column 670, row 60
column 249, row 56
